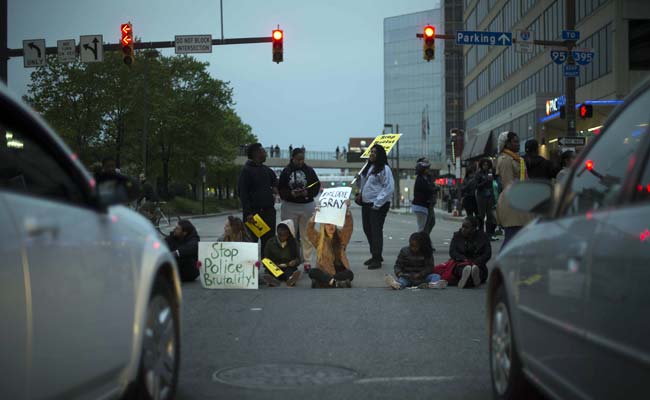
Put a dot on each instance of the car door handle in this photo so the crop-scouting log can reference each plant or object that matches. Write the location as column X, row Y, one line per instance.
column 35, row 228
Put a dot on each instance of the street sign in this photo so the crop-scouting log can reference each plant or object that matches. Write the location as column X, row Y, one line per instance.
column 524, row 42
column 559, row 55
column 571, row 70
column 186, row 44
column 570, row 35
column 583, row 56
column 34, row 53
column 484, row 38
column 66, row 51
column 91, row 48
column 572, row 141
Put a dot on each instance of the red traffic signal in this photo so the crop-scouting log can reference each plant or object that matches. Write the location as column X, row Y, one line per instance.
column 589, row 165
column 126, row 31
column 278, row 52
column 429, row 49
column 586, row 111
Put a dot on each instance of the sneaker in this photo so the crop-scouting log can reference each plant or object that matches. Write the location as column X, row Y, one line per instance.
column 423, row 285
column 293, row 279
column 375, row 264
column 306, row 267
column 441, row 284
column 476, row 276
column 391, row 282
column 369, row 261
column 467, row 271
column 271, row 281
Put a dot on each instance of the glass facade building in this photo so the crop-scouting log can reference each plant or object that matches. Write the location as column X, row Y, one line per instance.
column 414, row 88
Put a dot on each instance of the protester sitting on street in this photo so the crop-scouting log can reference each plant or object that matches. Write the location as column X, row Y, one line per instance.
column 566, row 159
column 332, row 265
column 283, row 251
column 235, row 231
column 183, row 241
column 470, row 251
column 414, row 265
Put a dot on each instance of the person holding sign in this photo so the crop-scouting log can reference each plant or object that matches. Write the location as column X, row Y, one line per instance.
column 184, row 244
column 332, row 265
column 298, row 186
column 282, row 251
column 377, row 186
column 235, row 231
column 257, row 187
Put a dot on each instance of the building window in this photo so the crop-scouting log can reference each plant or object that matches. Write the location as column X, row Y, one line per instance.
column 639, row 44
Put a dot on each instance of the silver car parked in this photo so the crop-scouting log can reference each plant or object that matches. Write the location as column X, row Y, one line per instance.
column 89, row 295
column 568, row 297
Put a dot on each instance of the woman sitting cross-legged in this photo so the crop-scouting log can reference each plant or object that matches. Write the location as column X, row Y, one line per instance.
column 470, row 251
column 332, row 265
column 283, row 251
column 414, row 265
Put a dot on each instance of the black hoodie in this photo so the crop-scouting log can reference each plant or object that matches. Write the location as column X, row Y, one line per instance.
column 293, row 177
column 539, row 167
column 188, row 254
column 256, row 183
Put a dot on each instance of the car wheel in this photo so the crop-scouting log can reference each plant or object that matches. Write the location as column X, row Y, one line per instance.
column 160, row 358
column 508, row 380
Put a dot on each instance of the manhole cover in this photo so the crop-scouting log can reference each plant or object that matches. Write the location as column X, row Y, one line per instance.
column 279, row 376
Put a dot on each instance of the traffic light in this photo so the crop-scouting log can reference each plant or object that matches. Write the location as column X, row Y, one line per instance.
column 127, row 43
column 278, row 38
column 586, row 111
column 429, row 42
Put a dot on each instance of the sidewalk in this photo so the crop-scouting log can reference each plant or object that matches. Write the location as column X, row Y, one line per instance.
column 440, row 213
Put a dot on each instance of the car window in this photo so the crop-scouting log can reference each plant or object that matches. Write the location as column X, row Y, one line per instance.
column 598, row 180
column 25, row 167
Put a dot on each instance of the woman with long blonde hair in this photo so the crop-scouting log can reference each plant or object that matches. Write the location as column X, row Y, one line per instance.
column 332, row 265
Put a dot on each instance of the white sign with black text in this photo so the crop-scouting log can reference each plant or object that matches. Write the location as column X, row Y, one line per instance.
column 66, row 51
column 186, row 44
column 524, row 42
column 332, row 206
column 34, row 53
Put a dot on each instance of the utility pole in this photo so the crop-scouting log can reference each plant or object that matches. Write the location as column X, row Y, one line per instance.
column 570, row 81
column 397, row 198
column 4, row 57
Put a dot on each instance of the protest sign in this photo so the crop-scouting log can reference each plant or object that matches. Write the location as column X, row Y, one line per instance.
column 228, row 265
column 386, row 141
column 271, row 267
column 259, row 228
column 332, row 207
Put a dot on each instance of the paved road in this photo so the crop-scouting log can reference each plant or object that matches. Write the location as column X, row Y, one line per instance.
column 368, row 342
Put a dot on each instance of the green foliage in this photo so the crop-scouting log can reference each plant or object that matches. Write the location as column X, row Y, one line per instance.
column 101, row 109
column 183, row 206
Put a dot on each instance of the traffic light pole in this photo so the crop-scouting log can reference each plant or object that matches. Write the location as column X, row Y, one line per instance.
column 570, row 81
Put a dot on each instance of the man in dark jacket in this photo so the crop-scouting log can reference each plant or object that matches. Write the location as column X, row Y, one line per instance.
column 485, row 199
column 184, row 243
column 537, row 166
column 298, row 186
column 257, row 188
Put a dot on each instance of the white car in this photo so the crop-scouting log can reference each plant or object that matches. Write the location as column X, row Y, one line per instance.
column 90, row 297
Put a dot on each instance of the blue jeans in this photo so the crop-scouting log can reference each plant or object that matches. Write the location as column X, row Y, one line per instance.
column 404, row 282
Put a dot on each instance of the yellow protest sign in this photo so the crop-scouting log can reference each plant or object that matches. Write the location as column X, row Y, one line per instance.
column 271, row 267
column 386, row 141
column 259, row 227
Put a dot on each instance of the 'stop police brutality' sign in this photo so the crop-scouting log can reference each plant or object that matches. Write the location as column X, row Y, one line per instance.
column 185, row 44
column 484, row 38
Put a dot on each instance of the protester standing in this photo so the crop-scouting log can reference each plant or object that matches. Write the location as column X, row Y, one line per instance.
column 377, row 187
column 468, row 191
column 257, row 188
column 298, row 186
column 423, row 192
column 485, row 199
column 510, row 168
column 537, row 166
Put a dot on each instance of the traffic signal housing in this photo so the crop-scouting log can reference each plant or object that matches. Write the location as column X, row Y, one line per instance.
column 278, row 39
column 429, row 48
column 586, row 111
column 127, row 43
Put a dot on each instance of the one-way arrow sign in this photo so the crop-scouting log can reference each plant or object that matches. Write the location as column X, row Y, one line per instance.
column 484, row 38
column 91, row 48
column 571, row 141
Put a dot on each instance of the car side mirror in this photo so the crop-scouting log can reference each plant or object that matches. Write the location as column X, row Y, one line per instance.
column 118, row 189
column 533, row 196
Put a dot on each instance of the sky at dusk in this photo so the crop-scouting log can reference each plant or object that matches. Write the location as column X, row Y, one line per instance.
column 329, row 87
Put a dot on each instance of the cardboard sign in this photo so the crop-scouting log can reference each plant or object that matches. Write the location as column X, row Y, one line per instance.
column 228, row 265
column 332, row 207
column 386, row 141
column 271, row 267
column 259, row 228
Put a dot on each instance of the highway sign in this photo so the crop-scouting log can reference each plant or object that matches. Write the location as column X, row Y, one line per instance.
column 583, row 56
column 570, row 35
column 66, row 51
column 524, row 42
column 91, row 48
column 186, row 44
column 559, row 55
column 34, row 53
column 572, row 141
column 571, row 70
column 484, row 38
